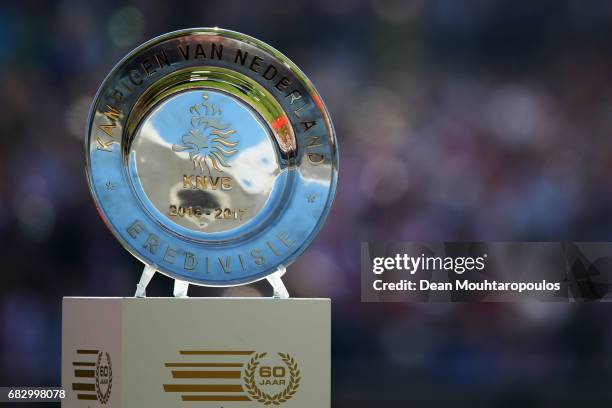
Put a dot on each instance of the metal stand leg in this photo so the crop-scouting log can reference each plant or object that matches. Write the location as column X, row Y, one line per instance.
column 145, row 278
column 180, row 288
column 280, row 291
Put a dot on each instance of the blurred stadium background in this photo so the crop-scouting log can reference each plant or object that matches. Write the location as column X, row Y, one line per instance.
column 456, row 120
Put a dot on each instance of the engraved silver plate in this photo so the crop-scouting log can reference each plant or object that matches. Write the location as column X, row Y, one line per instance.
column 211, row 157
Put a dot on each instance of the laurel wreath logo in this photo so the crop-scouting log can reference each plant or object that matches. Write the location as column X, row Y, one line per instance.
column 103, row 397
column 272, row 399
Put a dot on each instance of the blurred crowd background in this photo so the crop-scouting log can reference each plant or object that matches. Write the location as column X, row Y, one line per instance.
column 456, row 120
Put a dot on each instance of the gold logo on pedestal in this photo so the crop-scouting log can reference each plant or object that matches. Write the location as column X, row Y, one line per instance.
column 272, row 375
column 93, row 375
column 209, row 139
column 104, row 377
column 244, row 376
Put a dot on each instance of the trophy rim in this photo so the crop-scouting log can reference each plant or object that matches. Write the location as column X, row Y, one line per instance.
column 280, row 57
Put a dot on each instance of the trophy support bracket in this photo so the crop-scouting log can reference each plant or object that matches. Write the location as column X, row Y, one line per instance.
column 145, row 278
column 181, row 287
column 280, row 291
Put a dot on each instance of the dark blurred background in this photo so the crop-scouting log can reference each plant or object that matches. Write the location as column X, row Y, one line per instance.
column 456, row 120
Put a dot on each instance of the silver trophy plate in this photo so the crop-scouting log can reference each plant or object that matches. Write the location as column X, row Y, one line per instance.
column 211, row 157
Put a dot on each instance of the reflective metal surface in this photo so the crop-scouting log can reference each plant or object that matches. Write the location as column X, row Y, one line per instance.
column 211, row 157
column 204, row 161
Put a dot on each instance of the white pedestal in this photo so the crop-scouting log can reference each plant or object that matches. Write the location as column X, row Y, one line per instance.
column 204, row 352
